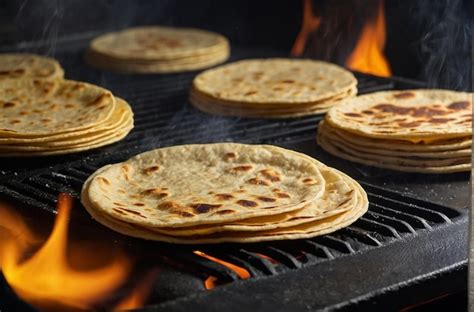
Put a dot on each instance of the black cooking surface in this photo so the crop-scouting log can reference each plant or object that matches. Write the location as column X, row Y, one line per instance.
column 415, row 230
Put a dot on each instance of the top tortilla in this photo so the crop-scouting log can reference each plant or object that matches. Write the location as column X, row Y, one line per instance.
column 204, row 184
column 34, row 107
column 158, row 43
column 414, row 115
column 24, row 65
column 275, row 81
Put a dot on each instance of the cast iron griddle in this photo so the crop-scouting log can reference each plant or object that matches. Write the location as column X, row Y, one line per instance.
column 410, row 246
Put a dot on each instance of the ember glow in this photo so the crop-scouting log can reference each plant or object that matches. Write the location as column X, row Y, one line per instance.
column 47, row 279
column 367, row 56
column 267, row 258
column 211, row 281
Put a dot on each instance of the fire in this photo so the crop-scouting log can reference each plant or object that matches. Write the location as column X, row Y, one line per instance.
column 367, row 56
column 47, row 278
column 211, row 281
column 309, row 24
column 139, row 294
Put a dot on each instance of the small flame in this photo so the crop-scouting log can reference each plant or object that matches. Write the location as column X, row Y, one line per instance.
column 367, row 56
column 212, row 281
column 139, row 294
column 309, row 24
column 47, row 278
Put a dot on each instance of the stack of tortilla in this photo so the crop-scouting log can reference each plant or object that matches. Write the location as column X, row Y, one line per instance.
column 224, row 192
column 428, row 131
column 272, row 88
column 42, row 114
column 24, row 65
column 154, row 49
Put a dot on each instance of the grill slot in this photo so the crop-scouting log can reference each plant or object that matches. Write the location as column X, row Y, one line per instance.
column 378, row 227
column 256, row 261
column 428, row 215
column 414, row 221
column 394, row 224
column 51, row 187
column 361, row 235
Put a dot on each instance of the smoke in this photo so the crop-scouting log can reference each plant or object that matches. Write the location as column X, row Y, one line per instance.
column 47, row 13
column 446, row 42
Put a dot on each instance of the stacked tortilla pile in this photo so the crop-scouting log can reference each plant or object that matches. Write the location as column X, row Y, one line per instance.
column 225, row 192
column 55, row 116
column 154, row 49
column 272, row 88
column 24, row 65
column 426, row 131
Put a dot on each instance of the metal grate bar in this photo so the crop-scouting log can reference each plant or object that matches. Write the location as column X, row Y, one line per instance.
column 414, row 221
column 51, row 187
column 429, row 215
column 397, row 225
column 377, row 191
column 27, row 191
column 262, row 264
column 360, row 235
column 378, row 227
column 335, row 244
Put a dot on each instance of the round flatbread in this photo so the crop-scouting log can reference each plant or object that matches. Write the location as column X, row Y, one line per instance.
column 414, row 115
column 158, row 43
column 122, row 115
column 338, row 196
column 24, row 65
column 452, row 149
column 35, row 108
column 275, row 81
column 215, row 106
column 394, row 164
column 204, row 184
column 306, row 230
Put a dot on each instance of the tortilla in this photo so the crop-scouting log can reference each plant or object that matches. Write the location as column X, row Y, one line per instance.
column 114, row 129
column 306, row 230
column 433, row 147
column 399, row 165
column 276, row 81
column 24, row 65
column 36, row 108
column 215, row 106
column 391, row 148
column 158, row 43
column 121, row 116
column 412, row 115
column 156, row 49
column 338, row 196
column 190, row 185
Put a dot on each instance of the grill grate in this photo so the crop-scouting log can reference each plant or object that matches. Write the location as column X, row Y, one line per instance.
column 389, row 219
column 163, row 117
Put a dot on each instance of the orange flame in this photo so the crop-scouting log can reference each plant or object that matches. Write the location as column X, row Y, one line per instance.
column 211, row 281
column 139, row 294
column 309, row 24
column 47, row 278
column 367, row 56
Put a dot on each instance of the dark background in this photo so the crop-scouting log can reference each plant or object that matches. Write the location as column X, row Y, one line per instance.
column 429, row 40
